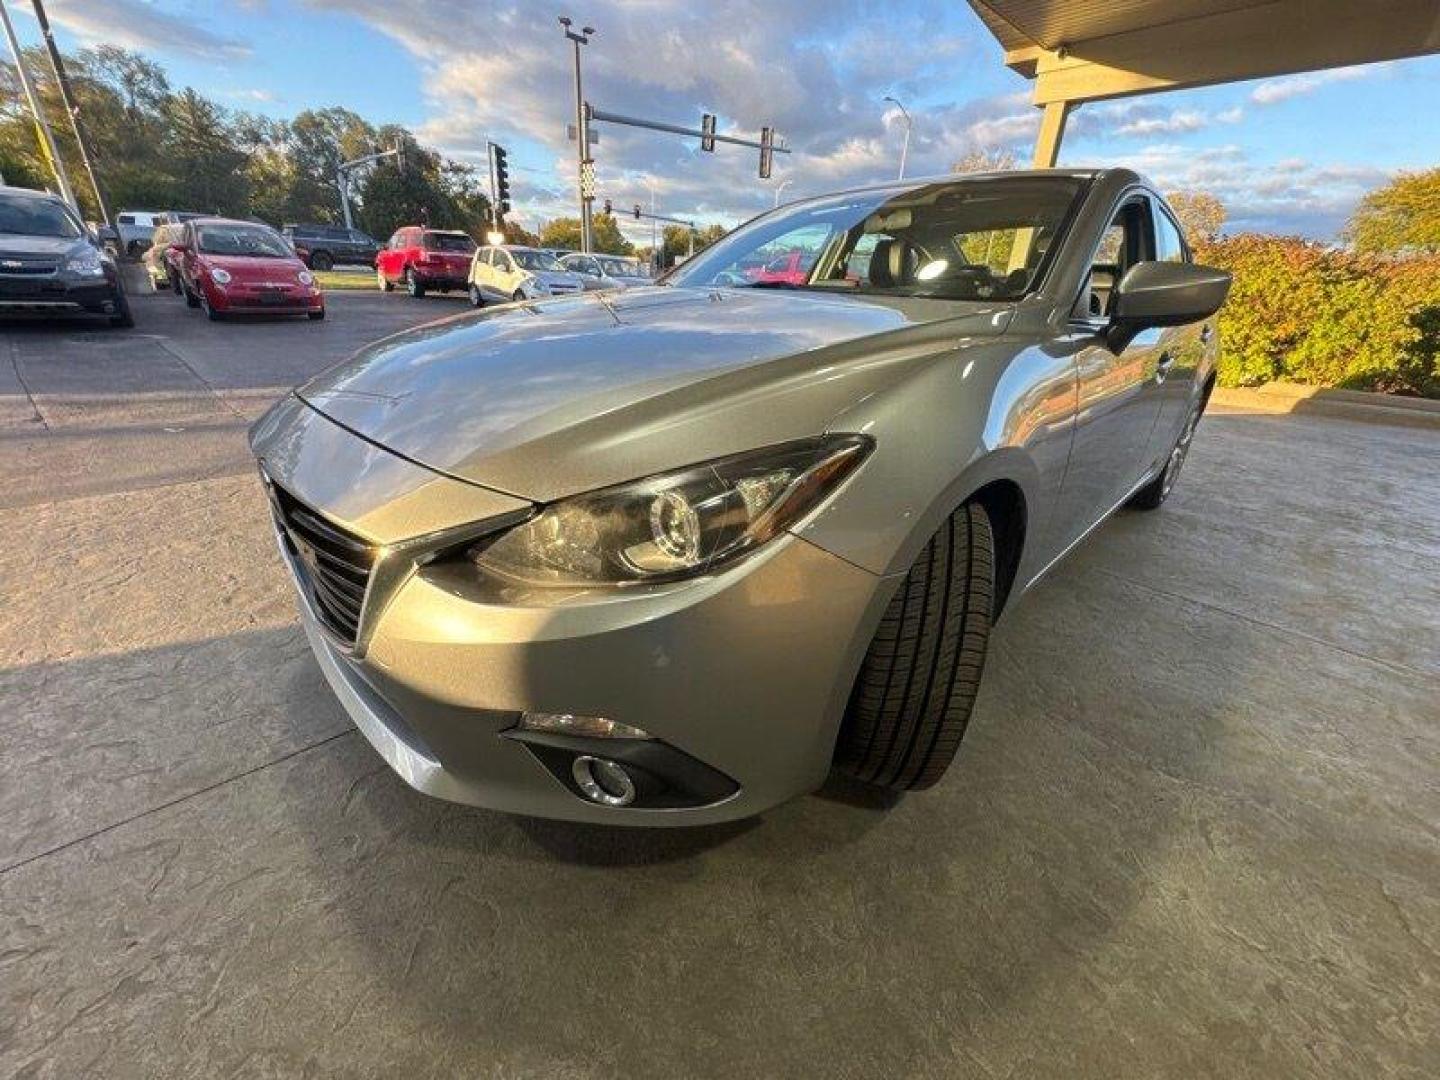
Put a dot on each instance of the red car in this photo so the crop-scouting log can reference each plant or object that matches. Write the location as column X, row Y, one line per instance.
column 233, row 267
column 424, row 259
column 793, row 268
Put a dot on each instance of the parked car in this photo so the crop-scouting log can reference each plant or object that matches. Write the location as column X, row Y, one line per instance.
column 424, row 259
column 607, row 271
column 789, row 268
column 239, row 267
column 51, row 264
column 326, row 246
column 162, row 258
column 674, row 559
column 136, row 227
column 511, row 272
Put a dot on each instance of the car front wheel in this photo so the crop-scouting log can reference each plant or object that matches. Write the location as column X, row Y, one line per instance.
column 912, row 699
column 413, row 285
column 476, row 299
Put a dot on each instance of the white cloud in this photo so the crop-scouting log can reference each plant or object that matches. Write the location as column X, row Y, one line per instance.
column 135, row 24
column 1274, row 91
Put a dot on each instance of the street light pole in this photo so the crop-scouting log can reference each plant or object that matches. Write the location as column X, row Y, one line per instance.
column 905, row 147
column 48, row 149
column 582, row 136
column 57, row 63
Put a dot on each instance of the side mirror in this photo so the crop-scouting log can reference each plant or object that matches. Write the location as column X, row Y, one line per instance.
column 1168, row 294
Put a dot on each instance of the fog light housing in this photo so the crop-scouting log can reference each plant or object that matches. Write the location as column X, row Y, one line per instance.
column 603, row 781
column 590, row 727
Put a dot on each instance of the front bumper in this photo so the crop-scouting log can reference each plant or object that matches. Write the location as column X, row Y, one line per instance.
column 242, row 300
column 747, row 672
column 53, row 294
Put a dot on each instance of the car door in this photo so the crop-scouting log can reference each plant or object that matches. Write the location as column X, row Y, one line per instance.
column 1183, row 347
column 506, row 276
column 1117, row 393
column 479, row 267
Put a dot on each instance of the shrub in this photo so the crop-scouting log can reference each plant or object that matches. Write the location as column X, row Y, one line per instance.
column 1311, row 314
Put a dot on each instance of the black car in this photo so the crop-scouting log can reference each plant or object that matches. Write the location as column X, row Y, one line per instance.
column 324, row 246
column 50, row 264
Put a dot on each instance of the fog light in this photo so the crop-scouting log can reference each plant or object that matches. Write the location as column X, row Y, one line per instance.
column 593, row 727
column 604, row 782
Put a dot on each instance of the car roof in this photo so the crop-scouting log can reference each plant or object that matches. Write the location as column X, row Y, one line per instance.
column 222, row 221
column 33, row 193
column 1116, row 174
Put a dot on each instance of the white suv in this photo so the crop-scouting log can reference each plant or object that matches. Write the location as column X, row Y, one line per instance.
column 505, row 273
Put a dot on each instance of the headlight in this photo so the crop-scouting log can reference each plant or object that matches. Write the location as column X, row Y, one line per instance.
column 305, row 277
column 677, row 525
column 220, row 277
column 87, row 265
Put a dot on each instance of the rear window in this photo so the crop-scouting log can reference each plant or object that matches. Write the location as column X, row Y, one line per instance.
column 437, row 241
column 127, row 219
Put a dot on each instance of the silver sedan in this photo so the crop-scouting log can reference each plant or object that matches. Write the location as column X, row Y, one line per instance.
column 672, row 555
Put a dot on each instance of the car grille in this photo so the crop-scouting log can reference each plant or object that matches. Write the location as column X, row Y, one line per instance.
column 333, row 565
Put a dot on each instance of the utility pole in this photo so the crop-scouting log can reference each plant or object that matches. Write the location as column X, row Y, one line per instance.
column 779, row 188
column 48, row 150
column 905, row 147
column 342, row 177
column 584, row 167
column 71, row 107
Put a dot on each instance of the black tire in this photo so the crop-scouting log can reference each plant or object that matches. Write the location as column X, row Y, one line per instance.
column 210, row 312
column 477, row 299
column 174, row 282
column 917, row 685
column 518, row 297
column 191, row 300
column 321, row 260
column 413, row 285
column 315, row 316
column 123, row 318
column 1153, row 495
column 135, row 249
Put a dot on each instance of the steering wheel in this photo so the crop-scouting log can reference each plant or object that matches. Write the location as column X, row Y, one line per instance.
column 727, row 277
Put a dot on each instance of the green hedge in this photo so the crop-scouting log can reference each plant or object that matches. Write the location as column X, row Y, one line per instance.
column 1307, row 313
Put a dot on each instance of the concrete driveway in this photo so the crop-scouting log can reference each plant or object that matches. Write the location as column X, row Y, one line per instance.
column 1194, row 829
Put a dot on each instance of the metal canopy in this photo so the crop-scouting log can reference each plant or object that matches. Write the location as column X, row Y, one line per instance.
column 1087, row 50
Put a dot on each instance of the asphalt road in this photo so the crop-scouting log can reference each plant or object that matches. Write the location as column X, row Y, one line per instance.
column 1194, row 830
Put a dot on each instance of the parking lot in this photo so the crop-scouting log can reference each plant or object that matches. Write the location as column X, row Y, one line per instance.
column 1194, row 829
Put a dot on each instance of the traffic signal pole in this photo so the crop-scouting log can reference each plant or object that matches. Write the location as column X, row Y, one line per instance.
column 584, row 167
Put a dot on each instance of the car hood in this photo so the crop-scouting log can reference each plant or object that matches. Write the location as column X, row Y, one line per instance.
column 557, row 277
column 547, row 399
column 31, row 246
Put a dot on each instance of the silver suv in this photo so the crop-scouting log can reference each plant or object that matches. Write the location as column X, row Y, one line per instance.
column 510, row 272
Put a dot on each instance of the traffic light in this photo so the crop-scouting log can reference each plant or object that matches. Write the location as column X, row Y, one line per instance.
column 637, row 211
column 609, row 210
column 767, row 151
column 707, row 132
column 502, row 179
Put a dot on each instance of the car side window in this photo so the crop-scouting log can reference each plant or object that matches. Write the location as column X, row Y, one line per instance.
column 1169, row 244
column 1128, row 239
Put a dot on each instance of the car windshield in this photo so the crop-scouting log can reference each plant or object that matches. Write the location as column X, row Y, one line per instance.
column 977, row 238
column 25, row 216
column 536, row 260
column 254, row 241
column 622, row 267
column 440, row 241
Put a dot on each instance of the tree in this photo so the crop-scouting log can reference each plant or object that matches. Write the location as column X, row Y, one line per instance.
column 207, row 169
column 977, row 161
column 1200, row 213
column 565, row 233
column 1401, row 217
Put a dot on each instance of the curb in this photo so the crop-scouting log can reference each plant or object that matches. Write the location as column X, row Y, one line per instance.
column 1342, row 404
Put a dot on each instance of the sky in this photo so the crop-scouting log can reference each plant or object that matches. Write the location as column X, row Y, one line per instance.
column 1290, row 154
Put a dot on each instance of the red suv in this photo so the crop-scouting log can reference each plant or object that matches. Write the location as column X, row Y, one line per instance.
column 425, row 259
column 240, row 266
